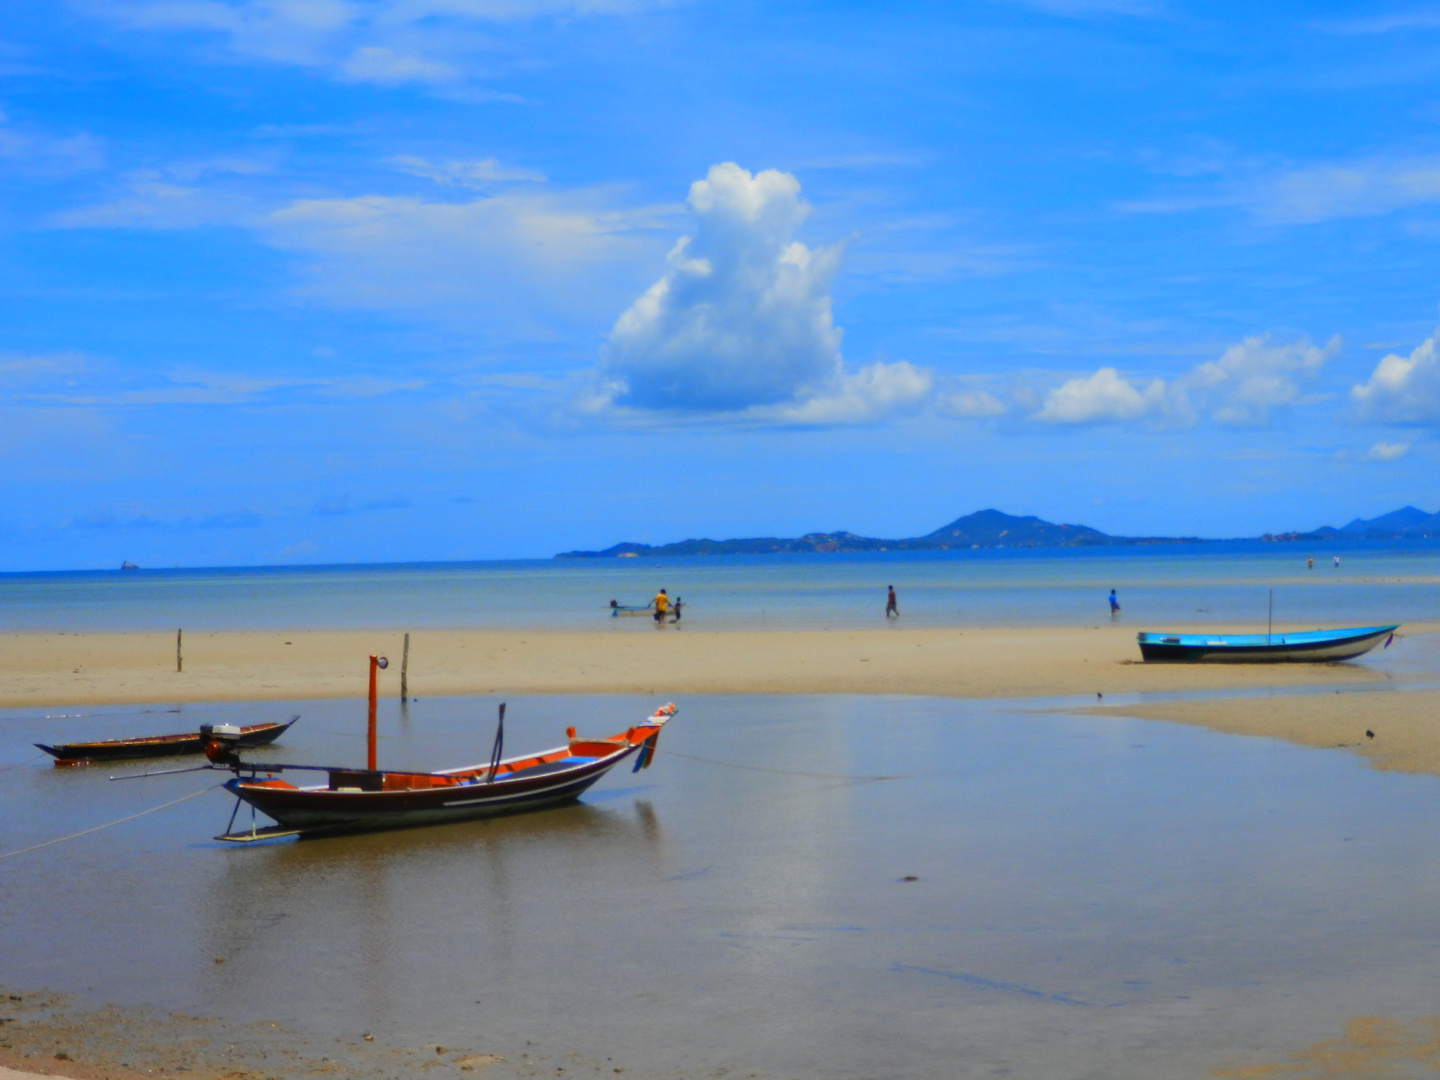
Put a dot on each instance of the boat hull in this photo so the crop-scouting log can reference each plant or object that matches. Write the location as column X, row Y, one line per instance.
column 319, row 810
column 1313, row 646
column 361, row 800
column 157, row 745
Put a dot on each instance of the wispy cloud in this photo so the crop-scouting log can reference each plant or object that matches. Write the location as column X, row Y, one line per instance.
column 184, row 194
column 35, row 151
column 1395, row 22
column 430, row 43
column 77, row 380
column 1383, row 451
column 483, row 173
column 512, row 255
column 1307, row 194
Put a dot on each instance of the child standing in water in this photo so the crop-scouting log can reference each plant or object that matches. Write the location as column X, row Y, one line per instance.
column 1114, row 604
column 890, row 606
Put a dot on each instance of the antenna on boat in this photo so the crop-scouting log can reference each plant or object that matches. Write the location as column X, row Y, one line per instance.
column 499, row 746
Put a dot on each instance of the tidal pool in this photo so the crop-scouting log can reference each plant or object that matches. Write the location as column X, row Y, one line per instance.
column 1092, row 897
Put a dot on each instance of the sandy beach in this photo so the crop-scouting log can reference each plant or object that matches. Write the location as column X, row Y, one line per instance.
column 111, row 668
column 114, row 668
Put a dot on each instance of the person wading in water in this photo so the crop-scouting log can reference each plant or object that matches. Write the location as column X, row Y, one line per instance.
column 662, row 605
column 890, row 606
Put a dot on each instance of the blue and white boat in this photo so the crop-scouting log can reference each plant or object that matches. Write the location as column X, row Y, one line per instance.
column 1305, row 647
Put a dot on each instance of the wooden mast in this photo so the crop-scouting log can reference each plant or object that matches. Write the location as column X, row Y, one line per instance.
column 370, row 737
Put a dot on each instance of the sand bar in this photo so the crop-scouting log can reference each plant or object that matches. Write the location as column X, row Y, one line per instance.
column 1404, row 726
column 77, row 669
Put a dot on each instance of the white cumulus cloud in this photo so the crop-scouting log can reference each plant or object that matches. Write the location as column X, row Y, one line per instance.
column 1253, row 378
column 875, row 391
column 1106, row 397
column 741, row 322
column 1242, row 388
column 1402, row 389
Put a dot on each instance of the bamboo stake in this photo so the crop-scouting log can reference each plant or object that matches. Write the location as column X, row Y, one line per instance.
column 179, row 659
column 405, row 671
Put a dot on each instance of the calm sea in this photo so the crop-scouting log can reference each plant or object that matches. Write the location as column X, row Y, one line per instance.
column 1218, row 583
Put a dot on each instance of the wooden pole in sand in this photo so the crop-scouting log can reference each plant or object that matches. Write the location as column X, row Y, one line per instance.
column 370, row 736
column 405, row 671
column 179, row 659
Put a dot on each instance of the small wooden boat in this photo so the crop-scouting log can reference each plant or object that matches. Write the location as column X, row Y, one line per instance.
column 1307, row 647
column 630, row 609
column 365, row 800
column 159, row 745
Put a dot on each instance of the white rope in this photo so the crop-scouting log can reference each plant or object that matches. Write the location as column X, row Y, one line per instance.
column 108, row 824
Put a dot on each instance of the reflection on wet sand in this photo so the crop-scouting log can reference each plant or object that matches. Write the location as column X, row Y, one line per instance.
column 341, row 904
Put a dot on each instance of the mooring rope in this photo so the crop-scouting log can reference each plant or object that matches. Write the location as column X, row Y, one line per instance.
column 108, row 824
column 778, row 772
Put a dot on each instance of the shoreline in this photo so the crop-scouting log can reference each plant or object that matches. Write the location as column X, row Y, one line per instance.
column 112, row 668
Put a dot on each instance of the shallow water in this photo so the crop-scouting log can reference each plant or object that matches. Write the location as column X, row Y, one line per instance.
column 1222, row 583
column 1096, row 897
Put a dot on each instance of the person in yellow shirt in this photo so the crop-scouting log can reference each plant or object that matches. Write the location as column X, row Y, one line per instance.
column 662, row 605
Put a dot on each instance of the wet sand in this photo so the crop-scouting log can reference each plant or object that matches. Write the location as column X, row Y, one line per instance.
column 114, row 668
column 1399, row 731
column 1083, row 894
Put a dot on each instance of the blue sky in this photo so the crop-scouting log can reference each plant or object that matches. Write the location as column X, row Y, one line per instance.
column 375, row 280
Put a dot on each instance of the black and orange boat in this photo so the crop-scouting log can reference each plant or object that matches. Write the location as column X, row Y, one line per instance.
column 148, row 746
column 371, row 799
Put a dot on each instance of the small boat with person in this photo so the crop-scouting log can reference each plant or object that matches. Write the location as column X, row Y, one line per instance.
column 1309, row 646
column 148, row 746
column 617, row 609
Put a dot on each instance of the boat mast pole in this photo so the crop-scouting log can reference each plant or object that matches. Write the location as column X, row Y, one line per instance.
column 1269, row 621
column 370, row 735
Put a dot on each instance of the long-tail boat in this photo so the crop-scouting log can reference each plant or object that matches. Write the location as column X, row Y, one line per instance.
column 1307, row 646
column 371, row 799
column 148, row 746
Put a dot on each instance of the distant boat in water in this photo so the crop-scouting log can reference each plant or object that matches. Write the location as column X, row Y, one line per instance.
column 149, row 746
column 1309, row 646
column 128, row 565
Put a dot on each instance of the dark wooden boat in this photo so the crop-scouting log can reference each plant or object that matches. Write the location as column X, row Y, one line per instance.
column 366, row 800
column 1310, row 646
column 159, row 745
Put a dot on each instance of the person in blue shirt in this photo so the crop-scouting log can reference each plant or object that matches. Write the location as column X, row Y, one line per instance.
column 1114, row 604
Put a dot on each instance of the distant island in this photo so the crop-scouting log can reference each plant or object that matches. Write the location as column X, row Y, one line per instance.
column 983, row 529
column 1406, row 523
column 995, row 529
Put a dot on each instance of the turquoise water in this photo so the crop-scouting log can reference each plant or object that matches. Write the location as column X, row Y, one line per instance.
column 1223, row 583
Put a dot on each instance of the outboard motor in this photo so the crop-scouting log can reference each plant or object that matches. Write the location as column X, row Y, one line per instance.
column 222, row 743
